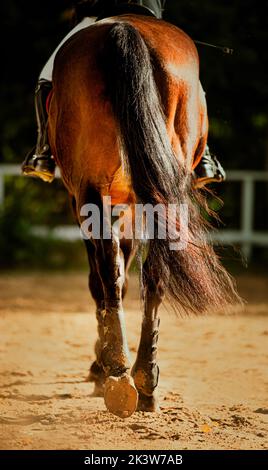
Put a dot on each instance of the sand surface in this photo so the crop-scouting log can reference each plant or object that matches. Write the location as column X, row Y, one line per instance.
column 214, row 372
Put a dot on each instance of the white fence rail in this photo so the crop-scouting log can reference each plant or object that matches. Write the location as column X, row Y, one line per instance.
column 246, row 236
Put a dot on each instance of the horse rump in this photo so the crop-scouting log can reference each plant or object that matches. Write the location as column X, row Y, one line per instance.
column 193, row 277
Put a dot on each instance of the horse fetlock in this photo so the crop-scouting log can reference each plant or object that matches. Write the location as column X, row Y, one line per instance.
column 114, row 362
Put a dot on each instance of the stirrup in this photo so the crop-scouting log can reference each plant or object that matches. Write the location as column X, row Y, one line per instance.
column 39, row 166
column 39, row 163
column 201, row 182
column 208, row 171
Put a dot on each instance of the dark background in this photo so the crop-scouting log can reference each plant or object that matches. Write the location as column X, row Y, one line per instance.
column 237, row 95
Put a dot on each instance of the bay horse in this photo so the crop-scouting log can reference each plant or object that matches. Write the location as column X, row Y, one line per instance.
column 128, row 119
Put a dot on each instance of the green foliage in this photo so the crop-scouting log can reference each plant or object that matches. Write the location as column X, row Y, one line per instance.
column 22, row 211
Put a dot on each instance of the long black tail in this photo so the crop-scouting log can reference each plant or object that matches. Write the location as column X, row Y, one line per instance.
column 193, row 277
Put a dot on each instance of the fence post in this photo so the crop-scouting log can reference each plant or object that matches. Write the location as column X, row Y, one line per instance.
column 247, row 215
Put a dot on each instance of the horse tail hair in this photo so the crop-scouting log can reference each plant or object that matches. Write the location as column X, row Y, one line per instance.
column 193, row 277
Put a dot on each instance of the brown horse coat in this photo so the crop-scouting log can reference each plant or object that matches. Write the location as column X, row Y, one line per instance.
column 92, row 134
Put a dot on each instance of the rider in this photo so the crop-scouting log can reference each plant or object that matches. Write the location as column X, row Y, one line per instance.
column 40, row 163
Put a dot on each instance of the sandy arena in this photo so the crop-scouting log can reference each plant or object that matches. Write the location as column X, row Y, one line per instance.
column 213, row 372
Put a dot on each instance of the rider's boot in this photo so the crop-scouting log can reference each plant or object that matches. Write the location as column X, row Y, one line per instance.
column 39, row 162
column 209, row 170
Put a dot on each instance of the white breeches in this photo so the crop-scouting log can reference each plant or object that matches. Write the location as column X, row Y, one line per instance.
column 47, row 70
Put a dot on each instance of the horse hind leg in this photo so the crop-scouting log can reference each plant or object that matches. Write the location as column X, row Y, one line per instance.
column 120, row 394
column 145, row 370
column 96, row 372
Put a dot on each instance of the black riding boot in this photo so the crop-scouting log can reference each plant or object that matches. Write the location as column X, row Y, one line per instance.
column 209, row 170
column 39, row 162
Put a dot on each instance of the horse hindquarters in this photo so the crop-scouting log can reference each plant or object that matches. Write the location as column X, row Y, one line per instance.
column 193, row 278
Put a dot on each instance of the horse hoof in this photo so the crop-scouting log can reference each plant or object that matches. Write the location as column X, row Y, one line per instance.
column 148, row 403
column 120, row 396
